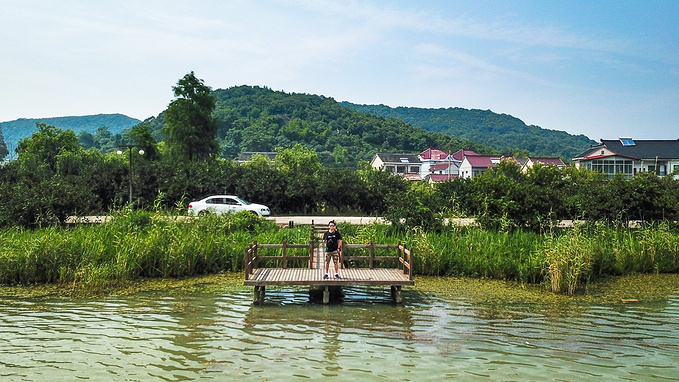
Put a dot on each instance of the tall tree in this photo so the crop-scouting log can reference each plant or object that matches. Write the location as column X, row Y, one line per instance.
column 190, row 130
column 3, row 145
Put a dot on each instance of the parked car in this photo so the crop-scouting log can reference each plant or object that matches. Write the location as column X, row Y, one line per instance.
column 223, row 204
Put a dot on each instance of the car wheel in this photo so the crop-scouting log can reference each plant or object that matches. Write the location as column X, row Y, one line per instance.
column 254, row 213
column 204, row 213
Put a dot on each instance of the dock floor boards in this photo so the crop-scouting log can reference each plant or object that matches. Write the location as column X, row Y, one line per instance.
column 349, row 276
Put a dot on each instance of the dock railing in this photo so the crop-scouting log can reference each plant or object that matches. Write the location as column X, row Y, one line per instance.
column 404, row 259
column 252, row 256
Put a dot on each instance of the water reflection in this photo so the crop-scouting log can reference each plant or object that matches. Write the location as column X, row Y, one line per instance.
column 216, row 336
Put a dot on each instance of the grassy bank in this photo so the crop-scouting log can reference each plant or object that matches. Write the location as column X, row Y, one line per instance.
column 133, row 246
column 563, row 260
column 140, row 245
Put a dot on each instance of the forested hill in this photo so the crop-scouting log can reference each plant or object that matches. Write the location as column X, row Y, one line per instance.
column 261, row 119
column 502, row 132
column 14, row 131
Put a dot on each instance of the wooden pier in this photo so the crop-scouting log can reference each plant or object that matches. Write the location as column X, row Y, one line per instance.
column 281, row 269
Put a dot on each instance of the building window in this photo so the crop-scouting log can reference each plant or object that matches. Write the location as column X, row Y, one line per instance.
column 400, row 169
column 613, row 166
column 414, row 169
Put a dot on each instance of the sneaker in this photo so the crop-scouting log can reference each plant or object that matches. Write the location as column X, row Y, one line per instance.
column 337, row 276
column 325, row 276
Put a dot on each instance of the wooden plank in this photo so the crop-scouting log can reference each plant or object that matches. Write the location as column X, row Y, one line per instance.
column 304, row 276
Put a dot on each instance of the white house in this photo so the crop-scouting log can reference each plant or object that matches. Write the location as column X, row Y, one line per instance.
column 526, row 163
column 473, row 165
column 408, row 165
column 628, row 156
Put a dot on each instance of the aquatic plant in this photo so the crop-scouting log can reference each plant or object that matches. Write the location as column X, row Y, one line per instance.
column 139, row 245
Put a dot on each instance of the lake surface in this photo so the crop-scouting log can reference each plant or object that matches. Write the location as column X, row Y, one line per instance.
column 222, row 336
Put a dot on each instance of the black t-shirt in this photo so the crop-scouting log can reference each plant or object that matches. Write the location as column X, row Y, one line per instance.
column 331, row 239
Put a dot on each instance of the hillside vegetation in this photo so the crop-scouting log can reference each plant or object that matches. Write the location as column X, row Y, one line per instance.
column 500, row 131
column 259, row 119
column 18, row 129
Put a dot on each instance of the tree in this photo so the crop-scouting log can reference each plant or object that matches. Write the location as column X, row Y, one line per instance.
column 142, row 138
column 42, row 148
column 51, row 178
column 3, row 145
column 190, row 130
column 300, row 167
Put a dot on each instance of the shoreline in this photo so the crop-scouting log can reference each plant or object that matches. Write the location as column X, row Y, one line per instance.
column 628, row 289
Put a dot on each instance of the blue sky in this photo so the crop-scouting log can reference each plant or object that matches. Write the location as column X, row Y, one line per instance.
column 604, row 69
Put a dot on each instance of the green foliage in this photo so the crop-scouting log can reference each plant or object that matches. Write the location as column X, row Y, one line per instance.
column 190, row 129
column 260, row 119
column 137, row 244
column 300, row 168
column 89, row 124
column 502, row 132
column 133, row 245
column 568, row 259
column 51, row 179
column 3, row 145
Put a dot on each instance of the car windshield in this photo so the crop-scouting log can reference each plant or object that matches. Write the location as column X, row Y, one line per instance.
column 242, row 201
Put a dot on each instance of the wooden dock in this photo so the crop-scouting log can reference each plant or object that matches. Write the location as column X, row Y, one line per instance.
column 308, row 269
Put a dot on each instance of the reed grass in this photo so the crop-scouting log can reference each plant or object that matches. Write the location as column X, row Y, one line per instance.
column 138, row 245
column 131, row 246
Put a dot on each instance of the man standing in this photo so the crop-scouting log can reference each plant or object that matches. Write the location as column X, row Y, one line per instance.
column 332, row 240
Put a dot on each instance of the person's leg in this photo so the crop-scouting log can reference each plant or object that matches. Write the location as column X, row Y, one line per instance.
column 327, row 265
column 335, row 260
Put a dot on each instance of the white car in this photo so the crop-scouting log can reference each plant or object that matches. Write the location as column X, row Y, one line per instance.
column 224, row 204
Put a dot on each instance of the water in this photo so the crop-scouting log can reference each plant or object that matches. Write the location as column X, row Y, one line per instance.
column 215, row 336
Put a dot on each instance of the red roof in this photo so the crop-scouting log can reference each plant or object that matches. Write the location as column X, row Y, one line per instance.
column 554, row 161
column 460, row 154
column 439, row 166
column 412, row 177
column 442, row 177
column 435, row 154
column 485, row 160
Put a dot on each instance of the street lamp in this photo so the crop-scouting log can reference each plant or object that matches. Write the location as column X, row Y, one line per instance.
column 120, row 152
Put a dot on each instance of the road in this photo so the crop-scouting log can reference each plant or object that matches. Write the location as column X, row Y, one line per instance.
column 285, row 220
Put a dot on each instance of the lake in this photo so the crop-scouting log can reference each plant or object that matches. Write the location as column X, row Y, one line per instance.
column 474, row 333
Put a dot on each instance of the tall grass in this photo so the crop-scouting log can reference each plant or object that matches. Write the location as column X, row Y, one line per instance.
column 131, row 246
column 139, row 244
column 563, row 260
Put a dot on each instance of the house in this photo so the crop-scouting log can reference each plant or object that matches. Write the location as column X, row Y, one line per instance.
column 408, row 165
column 437, row 178
column 433, row 165
column 473, row 165
column 628, row 157
column 526, row 163
column 431, row 157
column 442, row 172
column 459, row 155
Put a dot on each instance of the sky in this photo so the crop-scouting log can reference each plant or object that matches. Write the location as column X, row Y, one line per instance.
column 605, row 69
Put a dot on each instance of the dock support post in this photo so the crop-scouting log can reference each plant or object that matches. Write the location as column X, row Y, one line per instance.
column 259, row 295
column 326, row 295
column 397, row 294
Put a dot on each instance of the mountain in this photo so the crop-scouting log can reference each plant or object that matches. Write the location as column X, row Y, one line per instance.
column 261, row 119
column 18, row 129
column 502, row 132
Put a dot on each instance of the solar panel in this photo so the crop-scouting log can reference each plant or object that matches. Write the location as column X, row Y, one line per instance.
column 627, row 142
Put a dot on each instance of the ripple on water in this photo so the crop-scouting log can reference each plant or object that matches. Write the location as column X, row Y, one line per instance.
column 222, row 336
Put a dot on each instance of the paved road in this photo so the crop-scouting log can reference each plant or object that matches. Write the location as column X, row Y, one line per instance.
column 284, row 220
column 280, row 220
